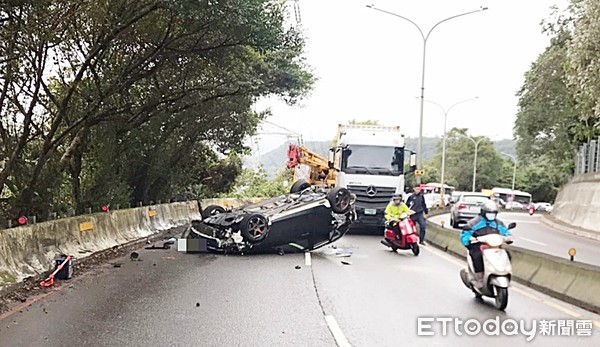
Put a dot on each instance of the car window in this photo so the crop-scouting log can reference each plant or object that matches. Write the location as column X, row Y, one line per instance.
column 474, row 198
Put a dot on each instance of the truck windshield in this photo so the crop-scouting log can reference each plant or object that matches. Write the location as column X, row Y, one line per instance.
column 373, row 160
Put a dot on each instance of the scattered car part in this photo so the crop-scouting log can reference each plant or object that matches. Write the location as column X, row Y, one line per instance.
column 48, row 282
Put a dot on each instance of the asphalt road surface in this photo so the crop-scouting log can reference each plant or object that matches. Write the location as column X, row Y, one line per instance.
column 531, row 233
column 176, row 299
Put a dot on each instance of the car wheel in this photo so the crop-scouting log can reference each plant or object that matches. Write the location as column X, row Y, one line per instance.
column 299, row 186
column 212, row 210
column 340, row 199
column 254, row 227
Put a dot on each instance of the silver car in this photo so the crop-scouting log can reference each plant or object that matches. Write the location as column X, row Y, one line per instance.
column 467, row 207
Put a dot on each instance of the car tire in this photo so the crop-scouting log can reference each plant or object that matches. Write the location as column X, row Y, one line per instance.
column 340, row 199
column 254, row 227
column 212, row 210
column 299, row 186
column 454, row 224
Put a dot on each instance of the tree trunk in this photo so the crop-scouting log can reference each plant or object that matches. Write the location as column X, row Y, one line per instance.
column 73, row 158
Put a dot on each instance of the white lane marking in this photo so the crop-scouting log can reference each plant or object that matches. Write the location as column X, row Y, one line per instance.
column 532, row 241
column 338, row 335
column 519, row 290
column 307, row 259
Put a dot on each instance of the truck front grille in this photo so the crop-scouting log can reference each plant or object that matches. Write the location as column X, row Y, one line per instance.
column 382, row 195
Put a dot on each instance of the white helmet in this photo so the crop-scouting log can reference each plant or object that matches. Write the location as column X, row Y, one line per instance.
column 489, row 210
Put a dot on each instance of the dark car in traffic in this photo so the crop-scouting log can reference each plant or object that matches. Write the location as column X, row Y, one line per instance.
column 300, row 221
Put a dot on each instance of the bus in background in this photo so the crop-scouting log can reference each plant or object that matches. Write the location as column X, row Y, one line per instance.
column 433, row 194
column 515, row 199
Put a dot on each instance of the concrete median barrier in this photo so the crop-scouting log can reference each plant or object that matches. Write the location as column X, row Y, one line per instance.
column 29, row 250
column 572, row 282
column 229, row 202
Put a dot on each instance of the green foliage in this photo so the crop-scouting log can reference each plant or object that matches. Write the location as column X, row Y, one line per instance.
column 136, row 100
column 583, row 68
column 460, row 154
column 558, row 103
column 256, row 184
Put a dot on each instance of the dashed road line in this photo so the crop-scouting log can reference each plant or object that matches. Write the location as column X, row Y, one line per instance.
column 533, row 241
column 307, row 259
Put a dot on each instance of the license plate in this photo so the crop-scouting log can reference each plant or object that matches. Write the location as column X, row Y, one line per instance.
column 370, row 212
column 475, row 209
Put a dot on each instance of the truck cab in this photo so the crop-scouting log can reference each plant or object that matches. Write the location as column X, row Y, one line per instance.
column 369, row 161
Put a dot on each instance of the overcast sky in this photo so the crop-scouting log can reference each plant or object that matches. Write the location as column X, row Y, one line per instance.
column 369, row 65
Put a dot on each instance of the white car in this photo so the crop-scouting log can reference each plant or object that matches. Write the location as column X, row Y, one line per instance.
column 514, row 205
column 543, row 206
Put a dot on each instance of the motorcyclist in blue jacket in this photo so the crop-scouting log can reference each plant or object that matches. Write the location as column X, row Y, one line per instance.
column 484, row 224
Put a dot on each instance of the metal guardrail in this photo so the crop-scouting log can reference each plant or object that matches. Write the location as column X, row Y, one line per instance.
column 587, row 159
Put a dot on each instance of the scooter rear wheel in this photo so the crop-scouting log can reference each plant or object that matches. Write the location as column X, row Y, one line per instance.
column 394, row 248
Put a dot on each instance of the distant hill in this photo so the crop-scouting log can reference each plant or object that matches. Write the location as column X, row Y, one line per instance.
column 275, row 160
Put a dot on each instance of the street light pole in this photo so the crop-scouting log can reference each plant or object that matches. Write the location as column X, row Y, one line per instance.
column 425, row 37
column 476, row 143
column 446, row 111
column 514, row 175
column 475, row 164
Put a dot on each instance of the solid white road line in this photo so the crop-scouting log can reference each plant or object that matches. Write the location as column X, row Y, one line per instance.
column 524, row 291
column 532, row 241
column 338, row 335
column 307, row 259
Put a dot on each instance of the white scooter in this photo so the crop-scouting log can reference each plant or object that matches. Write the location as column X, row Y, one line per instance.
column 497, row 268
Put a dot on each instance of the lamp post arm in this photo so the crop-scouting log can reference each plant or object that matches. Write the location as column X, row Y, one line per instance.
column 402, row 17
column 447, row 19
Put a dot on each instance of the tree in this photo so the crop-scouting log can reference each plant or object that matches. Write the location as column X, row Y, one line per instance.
column 255, row 184
column 584, row 72
column 460, row 153
column 136, row 100
column 547, row 120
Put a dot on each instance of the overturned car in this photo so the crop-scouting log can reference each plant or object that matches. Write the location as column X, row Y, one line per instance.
column 304, row 220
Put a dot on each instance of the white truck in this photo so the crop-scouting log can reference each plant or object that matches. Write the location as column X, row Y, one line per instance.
column 369, row 161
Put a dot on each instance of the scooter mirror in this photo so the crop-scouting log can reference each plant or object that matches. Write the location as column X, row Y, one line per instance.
column 512, row 225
